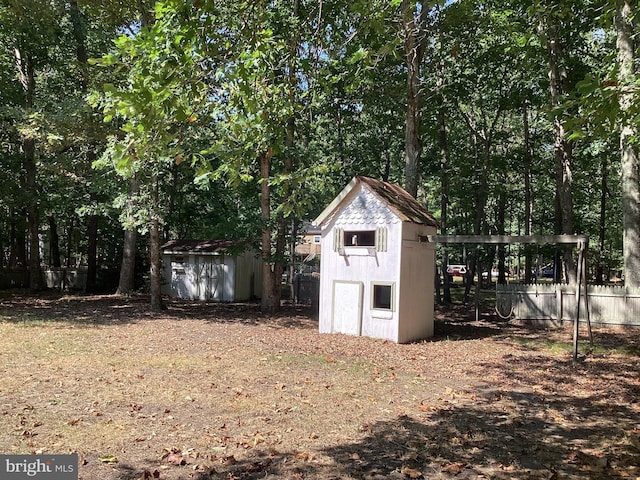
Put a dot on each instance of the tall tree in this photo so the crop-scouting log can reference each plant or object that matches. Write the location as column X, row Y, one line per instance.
column 26, row 65
column 415, row 38
column 150, row 117
column 528, row 194
column 630, row 163
column 562, row 146
column 79, row 24
column 263, row 85
column 33, row 32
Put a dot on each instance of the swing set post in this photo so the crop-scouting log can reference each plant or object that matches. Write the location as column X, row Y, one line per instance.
column 581, row 278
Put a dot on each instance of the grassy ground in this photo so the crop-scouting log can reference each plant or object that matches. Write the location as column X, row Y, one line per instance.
column 212, row 391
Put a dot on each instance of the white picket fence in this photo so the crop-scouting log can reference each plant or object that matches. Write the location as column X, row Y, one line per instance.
column 608, row 305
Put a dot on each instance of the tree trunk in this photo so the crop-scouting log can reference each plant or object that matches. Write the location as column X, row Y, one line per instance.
column 270, row 299
column 478, row 218
column 155, row 270
column 482, row 195
column 500, row 224
column 414, row 20
column 92, row 252
column 18, row 242
column 604, row 172
column 386, row 171
column 282, row 233
column 26, row 74
column 80, row 36
column 155, row 262
column 70, row 235
column 54, row 242
column 126, row 284
column 629, row 152
column 444, row 198
column 282, row 225
column 528, row 197
column 563, row 154
column 36, row 279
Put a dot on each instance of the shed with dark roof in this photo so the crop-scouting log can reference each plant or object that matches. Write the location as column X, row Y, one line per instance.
column 217, row 270
column 377, row 270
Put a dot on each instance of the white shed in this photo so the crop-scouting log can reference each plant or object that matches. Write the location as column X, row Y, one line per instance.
column 376, row 267
column 221, row 270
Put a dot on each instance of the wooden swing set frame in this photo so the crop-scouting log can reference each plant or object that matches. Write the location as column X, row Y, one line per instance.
column 581, row 241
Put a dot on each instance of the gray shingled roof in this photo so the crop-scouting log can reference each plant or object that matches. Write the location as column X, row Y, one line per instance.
column 401, row 201
column 200, row 246
column 398, row 199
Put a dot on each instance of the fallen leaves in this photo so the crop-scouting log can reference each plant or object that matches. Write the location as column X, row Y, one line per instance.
column 454, row 468
column 411, row 472
column 148, row 475
column 175, row 459
column 110, row 459
column 253, row 419
column 305, row 456
column 596, row 462
column 228, row 460
column 634, row 438
column 173, row 456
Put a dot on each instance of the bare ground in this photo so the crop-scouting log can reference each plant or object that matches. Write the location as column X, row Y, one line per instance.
column 220, row 391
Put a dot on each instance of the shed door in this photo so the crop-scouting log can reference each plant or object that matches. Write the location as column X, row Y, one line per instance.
column 210, row 278
column 347, row 307
column 216, row 278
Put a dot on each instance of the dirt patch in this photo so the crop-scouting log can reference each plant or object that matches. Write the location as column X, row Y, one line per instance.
column 220, row 391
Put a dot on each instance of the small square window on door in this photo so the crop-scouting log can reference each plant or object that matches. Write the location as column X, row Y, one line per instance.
column 383, row 296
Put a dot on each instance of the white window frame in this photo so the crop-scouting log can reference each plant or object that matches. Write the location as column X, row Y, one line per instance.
column 392, row 286
column 379, row 243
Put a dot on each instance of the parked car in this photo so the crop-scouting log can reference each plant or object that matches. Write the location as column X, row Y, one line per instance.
column 548, row 272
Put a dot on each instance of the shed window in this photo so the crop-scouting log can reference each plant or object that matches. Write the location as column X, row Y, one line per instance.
column 361, row 238
column 177, row 264
column 383, row 296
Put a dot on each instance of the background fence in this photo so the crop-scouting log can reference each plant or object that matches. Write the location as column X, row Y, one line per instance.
column 306, row 289
column 608, row 305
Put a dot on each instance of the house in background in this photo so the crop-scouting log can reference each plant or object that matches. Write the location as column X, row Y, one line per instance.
column 377, row 270
column 219, row 270
column 307, row 247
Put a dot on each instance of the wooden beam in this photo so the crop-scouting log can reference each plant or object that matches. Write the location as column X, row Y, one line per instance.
column 507, row 239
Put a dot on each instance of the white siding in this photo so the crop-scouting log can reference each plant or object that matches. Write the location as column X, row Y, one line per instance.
column 218, row 277
column 416, row 284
